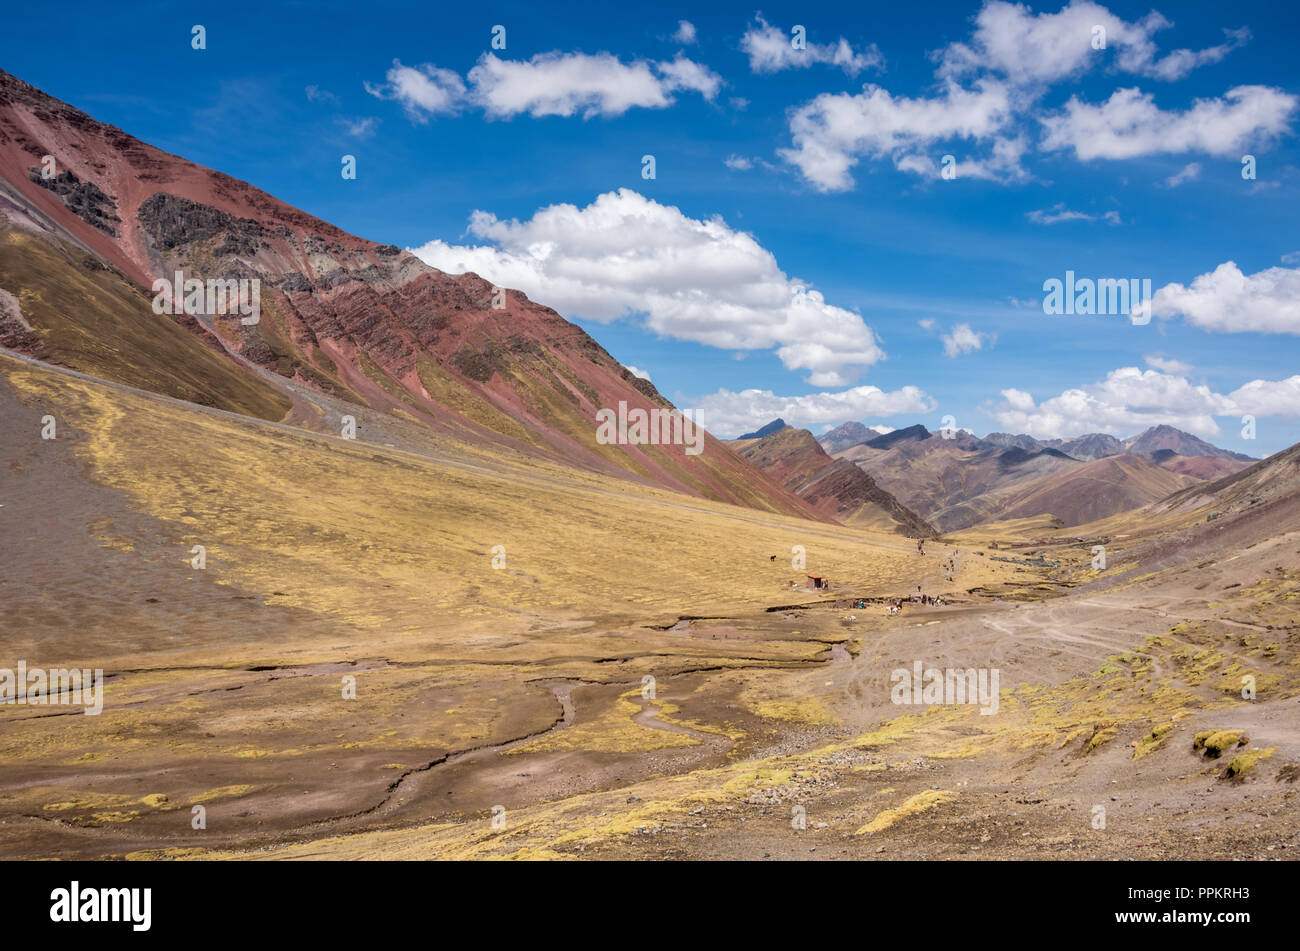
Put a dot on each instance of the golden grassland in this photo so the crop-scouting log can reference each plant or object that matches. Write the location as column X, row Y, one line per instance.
column 377, row 563
column 381, row 539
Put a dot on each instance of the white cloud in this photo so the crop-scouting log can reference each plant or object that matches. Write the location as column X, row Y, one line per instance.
column 882, row 429
column 1166, row 365
column 360, row 128
column 687, row 278
column 638, row 372
column 1128, row 400
column 1002, row 164
column 423, row 92
column 926, row 323
column 770, row 51
column 1176, row 65
column 1018, row 400
column 991, row 84
column 561, row 84
column 1131, row 399
column 1268, row 397
column 683, row 73
column 727, row 413
column 316, row 94
column 1291, row 258
column 744, row 163
column 1044, row 48
column 962, row 340
column 1130, row 124
column 685, row 33
column 1059, row 213
column 832, row 131
column 549, row 84
column 1188, row 173
column 1228, row 301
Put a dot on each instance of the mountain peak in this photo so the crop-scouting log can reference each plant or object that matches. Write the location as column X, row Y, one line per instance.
column 845, row 436
column 774, row 426
column 1164, row 437
column 911, row 433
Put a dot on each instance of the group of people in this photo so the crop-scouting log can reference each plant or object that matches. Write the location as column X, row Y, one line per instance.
column 896, row 606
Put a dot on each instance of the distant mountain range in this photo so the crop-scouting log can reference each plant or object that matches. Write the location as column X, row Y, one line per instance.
column 947, row 482
column 921, row 483
column 835, row 488
column 1085, row 448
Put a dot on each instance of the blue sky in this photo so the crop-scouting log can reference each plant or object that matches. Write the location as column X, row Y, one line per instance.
column 799, row 251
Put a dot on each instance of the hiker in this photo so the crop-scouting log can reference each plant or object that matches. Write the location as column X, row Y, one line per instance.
column 920, row 545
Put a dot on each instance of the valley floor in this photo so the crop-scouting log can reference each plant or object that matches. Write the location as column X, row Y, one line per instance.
column 556, row 665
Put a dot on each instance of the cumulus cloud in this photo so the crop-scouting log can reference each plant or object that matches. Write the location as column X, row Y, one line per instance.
column 990, row 93
column 1044, row 48
column 1128, row 400
column 686, row 74
column 1228, row 301
column 738, row 162
column 1131, row 399
column 686, row 278
column 549, row 84
column 422, row 91
column 1268, row 397
column 638, row 372
column 770, row 50
column 685, row 33
column 728, row 413
column 1130, row 124
column 962, row 340
column 833, row 131
column 561, row 84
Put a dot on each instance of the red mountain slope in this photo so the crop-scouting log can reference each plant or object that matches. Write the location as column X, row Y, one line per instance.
column 368, row 323
column 836, row 488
